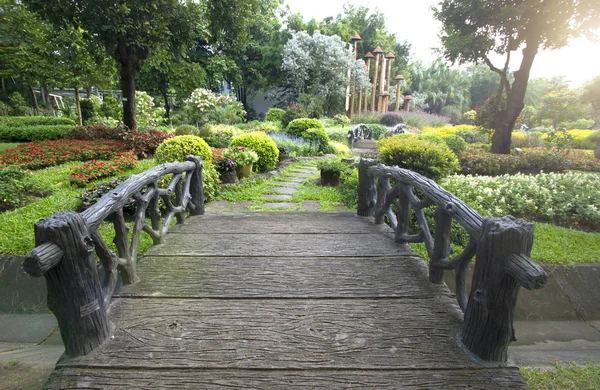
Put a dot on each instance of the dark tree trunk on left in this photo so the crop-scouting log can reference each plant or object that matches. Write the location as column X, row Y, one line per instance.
column 130, row 59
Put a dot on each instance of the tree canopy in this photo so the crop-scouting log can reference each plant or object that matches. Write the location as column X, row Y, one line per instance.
column 473, row 29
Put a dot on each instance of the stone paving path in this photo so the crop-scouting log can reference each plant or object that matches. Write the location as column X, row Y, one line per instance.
column 279, row 196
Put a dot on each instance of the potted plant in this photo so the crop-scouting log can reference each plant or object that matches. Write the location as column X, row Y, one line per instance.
column 331, row 170
column 243, row 157
column 226, row 168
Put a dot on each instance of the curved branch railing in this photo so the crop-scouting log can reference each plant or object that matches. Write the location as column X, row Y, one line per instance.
column 66, row 242
column 501, row 245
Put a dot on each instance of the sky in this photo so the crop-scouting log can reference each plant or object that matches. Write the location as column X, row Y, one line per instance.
column 413, row 21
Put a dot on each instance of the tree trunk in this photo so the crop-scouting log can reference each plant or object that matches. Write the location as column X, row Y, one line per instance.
column 35, row 102
column 128, row 73
column 597, row 150
column 78, row 105
column 88, row 91
column 167, row 105
column 3, row 86
column 507, row 117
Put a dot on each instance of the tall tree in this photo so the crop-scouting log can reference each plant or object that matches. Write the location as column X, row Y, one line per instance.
column 591, row 95
column 440, row 86
column 472, row 29
column 129, row 30
column 484, row 83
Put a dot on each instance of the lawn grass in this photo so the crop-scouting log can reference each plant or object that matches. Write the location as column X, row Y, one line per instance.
column 551, row 244
column 8, row 145
column 563, row 376
column 16, row 226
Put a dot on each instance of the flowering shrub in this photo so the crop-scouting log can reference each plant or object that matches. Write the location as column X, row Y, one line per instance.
column 146, row 113
column 41, row 154
column 263, row 145
column 391, row 119
column 224, row 164
column 204, row 106
column 81, row 175
column 571, row 197
column 216, row 153
column 240, row 155
column 143, row 142
column 295, row 146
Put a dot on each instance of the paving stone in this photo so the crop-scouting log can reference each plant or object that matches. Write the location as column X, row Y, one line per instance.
column 294, row 179
column 283, row 190
column 278, row 197
column 219, row 205
column 312, row 205
column 276, row 205
column 289, row 184
column 238, row 206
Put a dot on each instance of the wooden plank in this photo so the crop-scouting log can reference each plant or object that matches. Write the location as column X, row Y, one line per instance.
column 75, row 378
column 278, row 245
column 363, row 334
column 275, row 277
column 288, row 222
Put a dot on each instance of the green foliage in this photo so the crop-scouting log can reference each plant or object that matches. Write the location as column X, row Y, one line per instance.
column 583, row 124
column 473, row 136
column 434, row 161
column 563, row 376
column 332, row 165
column 340, row 149
column 379, row 131
column 176, row 148
column 297, row 126
column 186, row 130
column 88, row 109
column 259, row 126
column 14, row 187
column 18, row 105
column 367, row 117
column 341, row 119
column 595, row 136
column 274, row 114
column 263, row 145
column 204, row 106
column 337, row 134
column 455, row 143
column 240, row 155
column 390, row 119
column 17, row 121
column 294, row 146
column 290, row 114
column 561, row 106
column 32, row 133
column 319, row 137
column 110, row 108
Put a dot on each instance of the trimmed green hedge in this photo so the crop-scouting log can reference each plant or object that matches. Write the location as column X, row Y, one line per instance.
column 15, row 121
column 32, row 133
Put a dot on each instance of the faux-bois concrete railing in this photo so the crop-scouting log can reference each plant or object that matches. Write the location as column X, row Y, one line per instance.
column 67, row 241
column 501, row 245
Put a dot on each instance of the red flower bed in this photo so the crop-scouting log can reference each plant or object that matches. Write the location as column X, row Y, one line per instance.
column 42, row 154
column 216, row 153
column 143, row 142
column 97, row 169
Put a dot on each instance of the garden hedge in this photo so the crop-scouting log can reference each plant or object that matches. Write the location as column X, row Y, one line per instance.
column 32, row 133
column 16, row 121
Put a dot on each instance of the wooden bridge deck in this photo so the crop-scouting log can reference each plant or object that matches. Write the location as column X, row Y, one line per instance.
column 284, row 301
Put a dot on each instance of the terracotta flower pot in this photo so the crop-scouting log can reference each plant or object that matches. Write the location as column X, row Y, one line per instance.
column 244, row 171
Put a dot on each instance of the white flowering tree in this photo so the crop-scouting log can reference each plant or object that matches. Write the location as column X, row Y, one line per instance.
column 318, row 65
column 204, row 106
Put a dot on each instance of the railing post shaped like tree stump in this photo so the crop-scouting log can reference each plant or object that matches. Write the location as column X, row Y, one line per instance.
column 502, row 265
column 196, row 187
column 367, row 190
column 74, row 292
